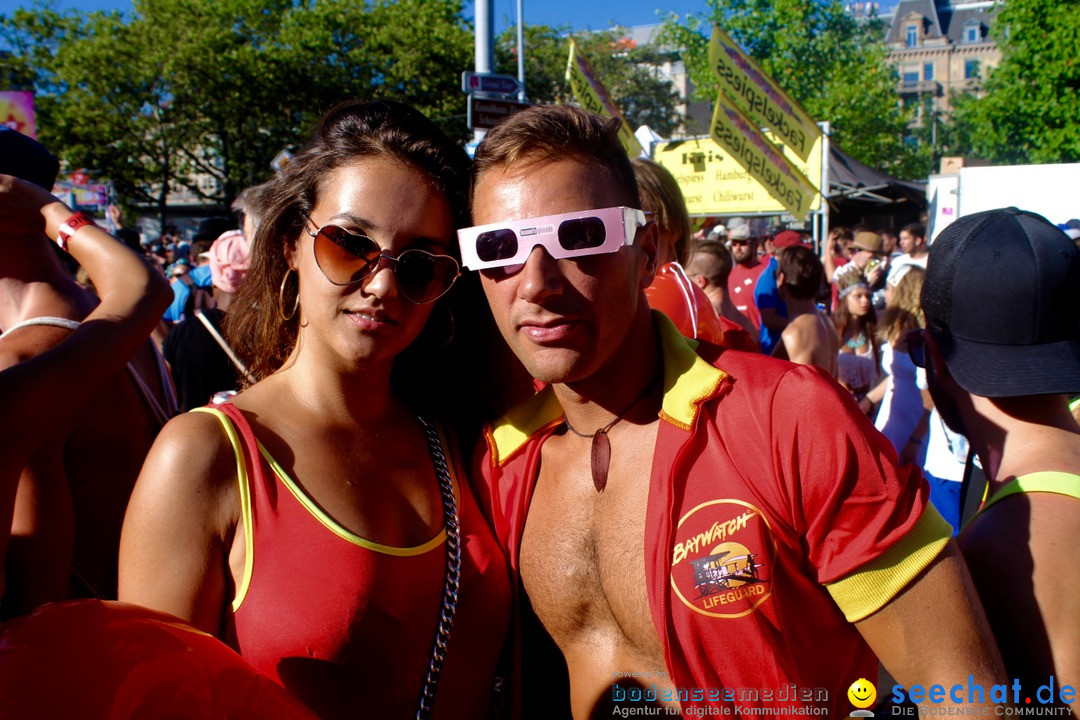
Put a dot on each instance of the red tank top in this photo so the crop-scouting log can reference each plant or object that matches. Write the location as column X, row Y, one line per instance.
column 347, row 625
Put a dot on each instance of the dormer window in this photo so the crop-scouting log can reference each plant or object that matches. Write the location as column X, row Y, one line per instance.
column 911, row 38
column 972, row 32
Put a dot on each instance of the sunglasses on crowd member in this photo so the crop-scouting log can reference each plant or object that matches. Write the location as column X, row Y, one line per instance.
column 916, row 347
column 568, row 235
column 346, row 257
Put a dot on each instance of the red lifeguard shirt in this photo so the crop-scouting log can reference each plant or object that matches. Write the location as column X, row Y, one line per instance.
column 777, row 517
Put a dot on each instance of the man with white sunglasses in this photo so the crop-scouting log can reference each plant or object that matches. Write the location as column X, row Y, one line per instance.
column 694, row 527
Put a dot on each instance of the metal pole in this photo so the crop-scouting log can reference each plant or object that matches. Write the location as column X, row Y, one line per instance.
column 485, row 37
column 522, row 96
column 485, row 42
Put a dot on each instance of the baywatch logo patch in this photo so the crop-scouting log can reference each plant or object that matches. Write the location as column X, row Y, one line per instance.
column 722, row 559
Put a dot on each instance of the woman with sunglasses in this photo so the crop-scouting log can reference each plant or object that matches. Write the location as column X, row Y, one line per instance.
column 320, row 522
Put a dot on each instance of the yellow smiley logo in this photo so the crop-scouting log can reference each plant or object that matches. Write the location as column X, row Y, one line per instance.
column 862, row 693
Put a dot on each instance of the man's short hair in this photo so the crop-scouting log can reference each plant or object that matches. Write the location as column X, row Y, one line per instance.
column 559, row 132
column 712, row 259
column 803, row 271
column 915, row 230
column 1000, row 298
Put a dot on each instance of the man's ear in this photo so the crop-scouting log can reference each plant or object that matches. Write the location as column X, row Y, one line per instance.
column 700, row 280
column 648, row 242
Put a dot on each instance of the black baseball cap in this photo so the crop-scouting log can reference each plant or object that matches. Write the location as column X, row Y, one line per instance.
column 27, row 159
column 1002, row 299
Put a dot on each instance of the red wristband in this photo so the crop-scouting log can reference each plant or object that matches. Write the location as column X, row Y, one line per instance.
column 70, row 226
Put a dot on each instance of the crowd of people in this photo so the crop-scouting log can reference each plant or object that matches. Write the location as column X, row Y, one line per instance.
column 432, row 437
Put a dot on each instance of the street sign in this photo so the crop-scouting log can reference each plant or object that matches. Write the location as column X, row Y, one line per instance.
column 490, row 83
column 485, row 112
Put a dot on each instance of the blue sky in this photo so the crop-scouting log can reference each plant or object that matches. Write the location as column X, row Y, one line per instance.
column 581, row 15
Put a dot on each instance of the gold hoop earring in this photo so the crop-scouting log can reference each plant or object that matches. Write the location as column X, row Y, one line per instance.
column 281, row 297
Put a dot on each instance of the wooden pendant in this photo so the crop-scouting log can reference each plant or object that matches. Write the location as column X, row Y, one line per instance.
column 601, row 459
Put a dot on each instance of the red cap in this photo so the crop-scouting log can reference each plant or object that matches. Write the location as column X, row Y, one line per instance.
column 787, row 238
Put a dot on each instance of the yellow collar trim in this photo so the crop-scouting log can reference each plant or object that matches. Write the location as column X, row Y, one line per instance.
column 688, row 381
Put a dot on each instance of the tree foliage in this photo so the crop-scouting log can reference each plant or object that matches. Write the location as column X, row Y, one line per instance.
column 629, row 73
column 1029, row 111
column 833, row 66
column 217, row 88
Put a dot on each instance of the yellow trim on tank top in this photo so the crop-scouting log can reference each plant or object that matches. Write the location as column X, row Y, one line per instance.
column 317, row 512
column 245, row 502
column 321, row 515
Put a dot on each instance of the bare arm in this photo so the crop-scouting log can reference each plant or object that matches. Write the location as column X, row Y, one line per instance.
column 48, row 390
column 180, row 524
column 934, row 632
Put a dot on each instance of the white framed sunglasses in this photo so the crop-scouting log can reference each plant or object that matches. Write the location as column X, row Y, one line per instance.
column 567, row 235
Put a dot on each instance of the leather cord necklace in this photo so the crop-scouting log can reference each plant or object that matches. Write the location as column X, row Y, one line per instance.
column 600, row 455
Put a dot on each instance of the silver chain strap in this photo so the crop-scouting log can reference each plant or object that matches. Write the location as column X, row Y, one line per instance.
column 453, row 571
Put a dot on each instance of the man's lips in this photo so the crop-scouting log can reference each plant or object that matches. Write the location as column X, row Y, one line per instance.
column 548, row 330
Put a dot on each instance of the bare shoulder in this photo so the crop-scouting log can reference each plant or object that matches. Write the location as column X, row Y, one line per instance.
column 181, row 521
column 799, row 329
column 191, row 460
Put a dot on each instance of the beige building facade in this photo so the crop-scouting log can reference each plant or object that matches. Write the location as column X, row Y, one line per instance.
column 940, row 49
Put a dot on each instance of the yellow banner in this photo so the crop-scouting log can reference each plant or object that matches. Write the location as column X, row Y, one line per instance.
column 759, row 96
column 591, row 95
column 715, row 182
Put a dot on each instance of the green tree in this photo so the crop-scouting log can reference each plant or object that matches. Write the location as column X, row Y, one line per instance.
column 833, row 66
column 183, row 91
column 1029, row 111
column 629, row 73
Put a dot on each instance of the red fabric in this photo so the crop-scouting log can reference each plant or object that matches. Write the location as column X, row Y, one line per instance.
column 348, row 629
column 741, row 284
column 781, row 465
column 689, row 308
column 97, row 659
column 685, row 304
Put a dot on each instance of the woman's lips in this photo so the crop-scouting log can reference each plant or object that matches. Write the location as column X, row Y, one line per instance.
column 369, row 320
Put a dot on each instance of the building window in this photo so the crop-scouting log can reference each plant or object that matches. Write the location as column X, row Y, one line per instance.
column 971, row 33
column 912, row 36
column 971, row 69
column 911, row 77
column 928, row 71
